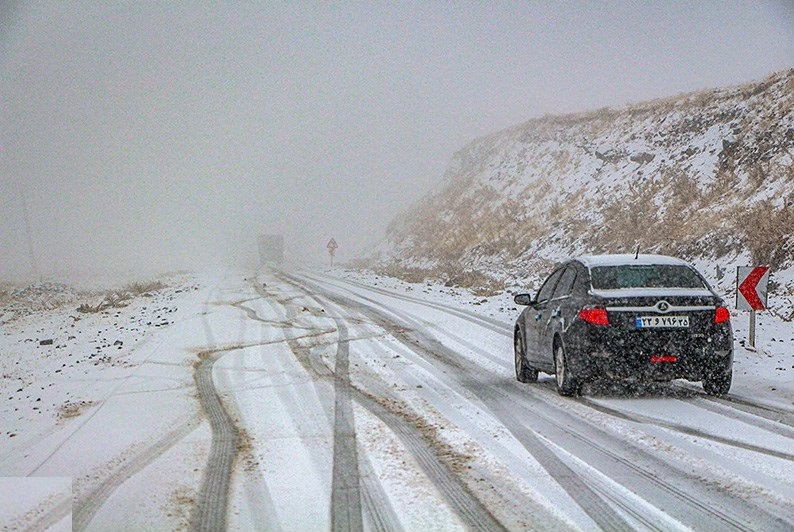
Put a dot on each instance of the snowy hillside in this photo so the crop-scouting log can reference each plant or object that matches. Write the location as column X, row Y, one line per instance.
column 707, row 176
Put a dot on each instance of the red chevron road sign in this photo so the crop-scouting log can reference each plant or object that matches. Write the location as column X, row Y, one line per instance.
column 751, row 291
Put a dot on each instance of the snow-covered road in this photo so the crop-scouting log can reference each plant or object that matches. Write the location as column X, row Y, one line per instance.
column 310, row 401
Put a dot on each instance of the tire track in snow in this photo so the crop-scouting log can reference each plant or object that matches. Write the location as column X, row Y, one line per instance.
column 261, row 509
column 209, row 512
column 599, row 510
column 769, row 423
column 210, row 508
column 212, row 501
column 683, row 429
column 466, row 505
column 49, row 513
column 458, row 496
column 87, row 505
column 346, row 511
column 779, row 415
column 345, row 492
column 592, row 500
column 380, row 514
column 722, row 511
column 588, row 494
column 484, row 321
column 379, row 511
column 740, row 404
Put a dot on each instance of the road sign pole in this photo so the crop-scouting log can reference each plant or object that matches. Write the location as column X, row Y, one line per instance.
column 752, row 328
column 332, row 247
column 751, row 293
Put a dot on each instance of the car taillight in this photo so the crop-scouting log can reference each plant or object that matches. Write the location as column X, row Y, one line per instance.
column 722, row 315
column 670, row 359
column 596, row 316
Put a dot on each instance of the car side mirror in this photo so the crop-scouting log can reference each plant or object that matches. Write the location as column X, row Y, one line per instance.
column 523, row 299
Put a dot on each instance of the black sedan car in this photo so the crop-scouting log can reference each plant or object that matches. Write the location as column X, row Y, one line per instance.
column 635, row 317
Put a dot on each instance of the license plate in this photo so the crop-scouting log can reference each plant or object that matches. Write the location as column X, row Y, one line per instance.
column 672, row 322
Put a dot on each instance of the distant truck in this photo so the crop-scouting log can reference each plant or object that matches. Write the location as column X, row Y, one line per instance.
column 271, row 249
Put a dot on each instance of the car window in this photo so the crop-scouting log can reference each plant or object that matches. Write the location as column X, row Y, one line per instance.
column 544, row 294
column 565, row 285
column 645, row 276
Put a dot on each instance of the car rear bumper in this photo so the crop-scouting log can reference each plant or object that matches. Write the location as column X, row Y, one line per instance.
column 637, row 355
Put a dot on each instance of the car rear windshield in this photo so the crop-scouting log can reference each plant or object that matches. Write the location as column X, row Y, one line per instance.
column 650, row 276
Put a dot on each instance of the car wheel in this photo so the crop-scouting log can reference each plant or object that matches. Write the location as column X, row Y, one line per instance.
column 717, row 384
column 524, row 373
column 567, row 383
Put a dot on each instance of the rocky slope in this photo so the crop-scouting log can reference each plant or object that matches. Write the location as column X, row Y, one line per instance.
column 708, row 176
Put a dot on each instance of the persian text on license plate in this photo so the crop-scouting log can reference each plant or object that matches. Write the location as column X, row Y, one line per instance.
column 675, row 322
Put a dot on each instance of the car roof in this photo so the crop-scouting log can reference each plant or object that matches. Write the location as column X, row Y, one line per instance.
column 629, row 259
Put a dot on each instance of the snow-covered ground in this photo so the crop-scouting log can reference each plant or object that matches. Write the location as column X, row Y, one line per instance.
column 345, row 400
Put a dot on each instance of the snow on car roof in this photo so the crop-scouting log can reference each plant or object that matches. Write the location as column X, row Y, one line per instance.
column 629, row 259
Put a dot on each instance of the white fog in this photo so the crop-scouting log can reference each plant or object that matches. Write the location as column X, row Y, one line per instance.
column 147, row 136
column 561, row 297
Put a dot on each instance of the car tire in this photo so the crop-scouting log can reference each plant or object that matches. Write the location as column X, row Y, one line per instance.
column 567, row 383
column 718, row 384
column 524, row 373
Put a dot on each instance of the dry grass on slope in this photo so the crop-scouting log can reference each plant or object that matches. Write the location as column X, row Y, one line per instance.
column 670, row 215
column 121, row 297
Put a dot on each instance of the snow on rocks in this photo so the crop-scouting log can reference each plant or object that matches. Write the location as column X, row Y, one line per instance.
column 49, row 350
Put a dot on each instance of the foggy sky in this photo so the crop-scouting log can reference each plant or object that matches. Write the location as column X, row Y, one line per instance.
column 157, row 135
